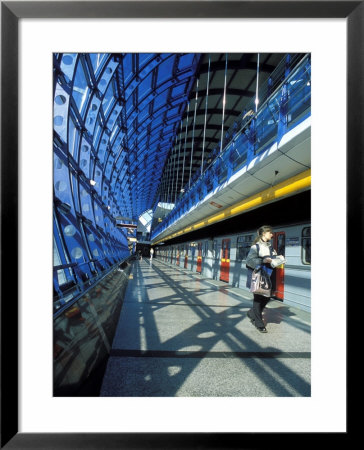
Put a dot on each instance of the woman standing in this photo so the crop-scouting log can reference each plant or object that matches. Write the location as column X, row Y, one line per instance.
column 260, row 253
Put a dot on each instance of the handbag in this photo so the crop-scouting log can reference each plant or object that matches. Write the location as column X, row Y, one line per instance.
column 261, row 283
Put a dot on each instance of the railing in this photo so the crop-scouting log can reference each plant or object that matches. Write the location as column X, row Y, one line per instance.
column 90, row 319
column 71, row 291
column 284, row 109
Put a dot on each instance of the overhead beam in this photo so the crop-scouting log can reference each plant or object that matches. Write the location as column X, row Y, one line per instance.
column 235, row 65
column 229, row 91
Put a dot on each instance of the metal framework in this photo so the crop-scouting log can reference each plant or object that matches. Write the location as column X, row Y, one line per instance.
column 132, row 131
column 115, row 119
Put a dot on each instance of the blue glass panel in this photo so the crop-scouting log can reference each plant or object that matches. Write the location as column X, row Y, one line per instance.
column 102, row 147
column 133, row 117
column 160, row 100
column 168, row 130
column 185, row 61
column 173, row 112
column 165, row 70
column 60, row 112
column 128, row 68
column 106, row 75
column 75, row 193
column 148, row 135
column 299, row 98
column 94, row 242
column 179, row 100
column 145, row 87
column 144, row 104
column 178, row 90
column 113, row 118
column 71, row 232
column 114, row 134
column 144, row 58
column 80, row 88
column 120, row 162
column 117, row 135
column 142, row 137
column 113, row 177
column 97, row 134
column 85, row 157
column 97, row 60
column 143, row 114
column 154, row 137
column 59, row 253
column 61, row 181
column 73, row 138
column 108, row 167
column 86, row 204
column 109, row 99
column 266, row 128
column 91, row 117
column 105, row 193
column 68, row 64
column 97, row 177
column 99, row 216
column 129, row 106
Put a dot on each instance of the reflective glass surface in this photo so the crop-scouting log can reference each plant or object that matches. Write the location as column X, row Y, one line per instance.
column 287, row 103
column 115, row 118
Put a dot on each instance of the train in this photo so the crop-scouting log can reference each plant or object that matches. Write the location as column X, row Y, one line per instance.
column 224, row 258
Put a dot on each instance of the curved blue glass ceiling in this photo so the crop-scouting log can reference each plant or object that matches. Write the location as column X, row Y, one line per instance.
column 125, row 108
column 115, row 120
column 132, row 133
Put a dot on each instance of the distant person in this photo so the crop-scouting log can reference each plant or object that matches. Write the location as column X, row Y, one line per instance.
column 140, row 255
column 261, row 253
column 151, row 255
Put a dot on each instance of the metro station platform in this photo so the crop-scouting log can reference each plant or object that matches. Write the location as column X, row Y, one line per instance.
column 183, row 335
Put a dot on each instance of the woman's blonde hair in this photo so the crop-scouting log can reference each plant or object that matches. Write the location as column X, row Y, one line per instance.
column 260, row 231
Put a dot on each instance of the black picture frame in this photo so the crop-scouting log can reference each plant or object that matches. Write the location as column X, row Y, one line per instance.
column 11, row 12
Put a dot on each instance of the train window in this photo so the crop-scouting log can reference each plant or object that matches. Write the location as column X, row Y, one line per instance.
column 243, row 246
column 216, row 250
column 281, row 244
column 306, row 245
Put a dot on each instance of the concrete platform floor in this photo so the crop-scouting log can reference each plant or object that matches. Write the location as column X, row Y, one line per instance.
column 180, row 334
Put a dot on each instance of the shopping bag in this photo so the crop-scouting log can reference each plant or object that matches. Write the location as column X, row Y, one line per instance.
column 261, row 283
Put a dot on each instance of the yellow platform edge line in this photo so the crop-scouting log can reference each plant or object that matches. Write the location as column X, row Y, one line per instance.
column 285, row 188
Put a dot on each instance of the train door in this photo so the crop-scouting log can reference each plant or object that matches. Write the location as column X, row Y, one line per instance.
column 193, row 251
column 279, row 243
column 199, row 257
column 186, row 257
column 225, row 260
column 206, row 268
column 216, row 254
